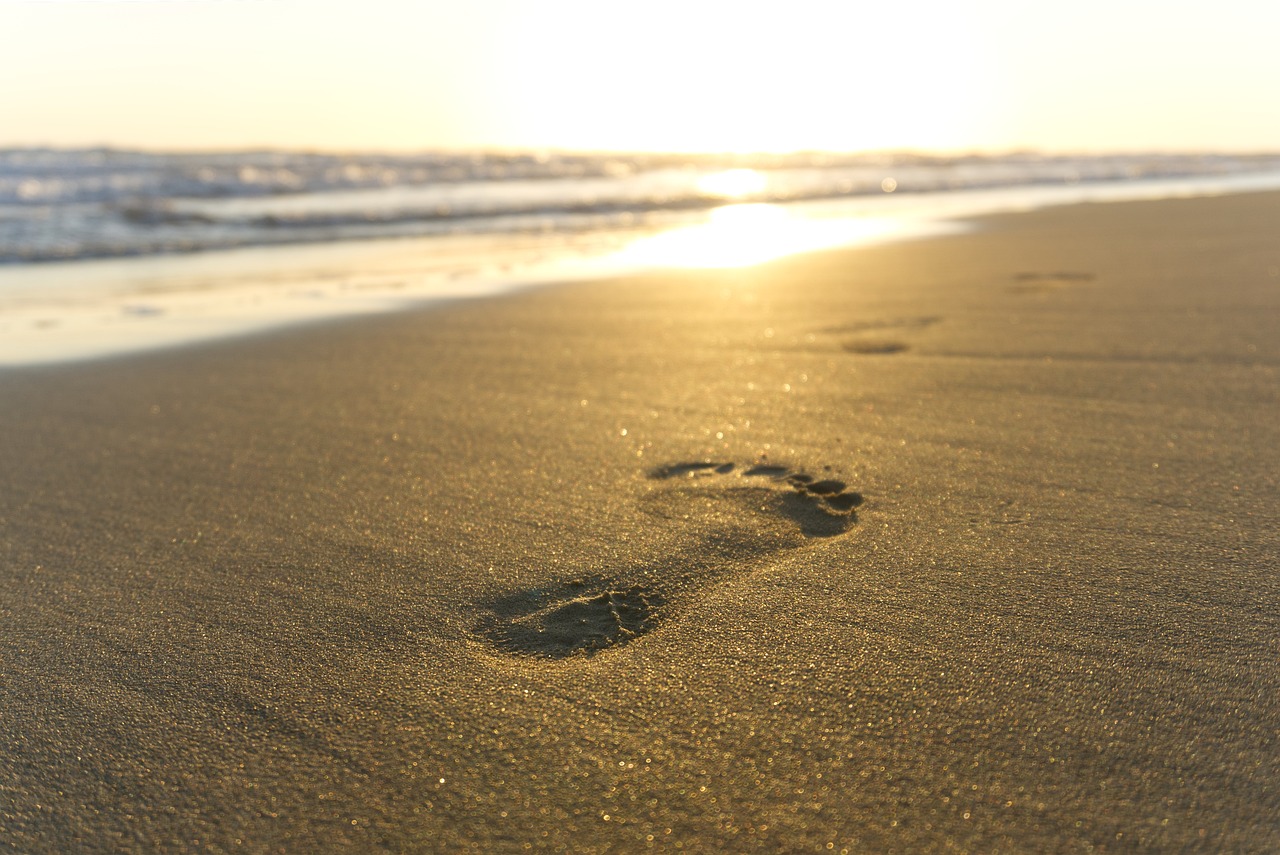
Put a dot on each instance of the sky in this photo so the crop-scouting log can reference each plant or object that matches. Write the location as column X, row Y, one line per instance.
column 661, row 75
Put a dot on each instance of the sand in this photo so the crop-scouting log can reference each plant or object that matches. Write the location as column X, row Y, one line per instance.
column 963, row 544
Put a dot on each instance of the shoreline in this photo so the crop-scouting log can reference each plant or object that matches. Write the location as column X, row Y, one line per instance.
column 968, row 542
column 88, row 309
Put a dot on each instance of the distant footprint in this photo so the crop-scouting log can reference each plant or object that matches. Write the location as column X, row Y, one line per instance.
column 918, row 322
column 875, row 346
column 741, row 512
column 868, row 337
column 1029, row 282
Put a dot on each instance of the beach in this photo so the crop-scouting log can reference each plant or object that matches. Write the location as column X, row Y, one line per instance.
column 963, row 544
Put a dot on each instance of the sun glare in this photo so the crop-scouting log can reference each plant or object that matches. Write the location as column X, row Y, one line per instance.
column 742, row 235
column 733, row 183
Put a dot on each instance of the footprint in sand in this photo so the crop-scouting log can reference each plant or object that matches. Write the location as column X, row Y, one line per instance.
column 820, row 507
column 1030, row 282
column 582, row 617
column 742, row 512
column 875, row 336
column 875, row 346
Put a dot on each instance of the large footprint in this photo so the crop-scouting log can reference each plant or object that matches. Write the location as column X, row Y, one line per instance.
column 753, row 510
column 582, row 617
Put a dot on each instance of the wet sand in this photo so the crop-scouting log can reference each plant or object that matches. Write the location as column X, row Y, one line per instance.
column 963, row 544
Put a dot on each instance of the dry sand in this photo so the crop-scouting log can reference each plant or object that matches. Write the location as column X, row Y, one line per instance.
column 442, row 581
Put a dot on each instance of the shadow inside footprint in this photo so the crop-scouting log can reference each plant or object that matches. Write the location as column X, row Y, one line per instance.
column 813, row 518
column 578, row 619
column 874, row 346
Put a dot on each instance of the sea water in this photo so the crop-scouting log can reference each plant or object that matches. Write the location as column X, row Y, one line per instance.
column 105, row 251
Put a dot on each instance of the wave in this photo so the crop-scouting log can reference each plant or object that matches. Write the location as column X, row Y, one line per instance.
column 66, row 204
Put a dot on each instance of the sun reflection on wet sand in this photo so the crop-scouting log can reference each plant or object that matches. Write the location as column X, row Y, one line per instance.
column 742, row 235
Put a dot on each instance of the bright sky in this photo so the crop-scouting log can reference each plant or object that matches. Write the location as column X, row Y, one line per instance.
column 659, row 74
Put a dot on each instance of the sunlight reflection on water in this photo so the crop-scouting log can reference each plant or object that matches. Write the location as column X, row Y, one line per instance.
column 741, row 235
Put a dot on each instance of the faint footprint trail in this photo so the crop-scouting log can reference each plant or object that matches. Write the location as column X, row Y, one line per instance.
column 1031, row 282
column 874, row 337
column 875, row 346
column 739, row 513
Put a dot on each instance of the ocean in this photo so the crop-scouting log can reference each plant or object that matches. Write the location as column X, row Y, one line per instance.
column 106, row 251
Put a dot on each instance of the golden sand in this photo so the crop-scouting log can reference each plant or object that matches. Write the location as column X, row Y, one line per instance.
column 963, row 544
